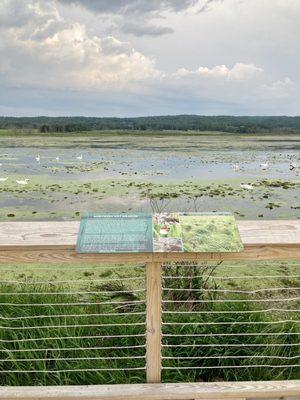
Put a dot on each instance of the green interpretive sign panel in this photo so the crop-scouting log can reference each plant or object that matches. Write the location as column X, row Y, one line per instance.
column 115, row 233
column 158, row 233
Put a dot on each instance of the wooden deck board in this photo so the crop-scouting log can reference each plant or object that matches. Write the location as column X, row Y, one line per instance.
column 54, row 242
column 168, row 391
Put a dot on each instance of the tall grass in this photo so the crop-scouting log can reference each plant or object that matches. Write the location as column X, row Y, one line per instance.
column 40, row 338
column 238, row 319
column 34, row 339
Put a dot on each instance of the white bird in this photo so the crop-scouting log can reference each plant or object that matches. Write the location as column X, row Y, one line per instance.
column 235, row 167
column 0, row 164
column 79, row 157
column 264, row 165
column 22, row 182
column 3, row 179
column 294, row 165
column 247, row 186
column 38, row 158
column 57, row 158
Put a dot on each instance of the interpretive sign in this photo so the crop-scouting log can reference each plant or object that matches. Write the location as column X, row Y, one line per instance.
column 164, row 232
column 115, row 233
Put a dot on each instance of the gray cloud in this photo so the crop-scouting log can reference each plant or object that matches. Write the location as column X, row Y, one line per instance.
column 145, row 29
column 207, row 4
column 137, row 14
column 132, row 6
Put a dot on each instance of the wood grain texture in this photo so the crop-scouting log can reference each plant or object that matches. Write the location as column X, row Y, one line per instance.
column 154, row 301
column 54, row 242
column 57, row 255
column 64, row 233
column 168, row 391
column 274, row 231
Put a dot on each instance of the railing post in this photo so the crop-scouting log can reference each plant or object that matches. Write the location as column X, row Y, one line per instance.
column 154, row 298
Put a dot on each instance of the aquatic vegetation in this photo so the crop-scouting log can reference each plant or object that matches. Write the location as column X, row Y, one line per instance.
column 117, row 172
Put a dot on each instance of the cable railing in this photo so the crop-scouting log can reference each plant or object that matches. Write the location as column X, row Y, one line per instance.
column 60, row 326
column 184, row 320
column 216, row 323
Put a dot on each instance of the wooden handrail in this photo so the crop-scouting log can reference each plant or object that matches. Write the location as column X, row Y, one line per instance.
column 169, row 391
column 54, row 242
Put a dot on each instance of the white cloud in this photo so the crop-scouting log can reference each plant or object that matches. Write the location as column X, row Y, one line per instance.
column 238, row 72
column 43, row 49
column 45, row 44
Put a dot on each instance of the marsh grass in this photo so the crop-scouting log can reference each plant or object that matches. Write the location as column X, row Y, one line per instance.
column 32, row 341
column 185, row 318
column 36, row 333
column 220, row 341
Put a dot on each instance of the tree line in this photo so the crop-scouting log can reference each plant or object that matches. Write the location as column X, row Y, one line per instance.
column 242, row 124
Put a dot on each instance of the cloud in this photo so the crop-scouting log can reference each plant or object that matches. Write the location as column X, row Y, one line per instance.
column 133, row 6
column 138, row 16
column 145, row 29
column 239, row 72
column 207, row 4
column 45, row 43
column 54, row 60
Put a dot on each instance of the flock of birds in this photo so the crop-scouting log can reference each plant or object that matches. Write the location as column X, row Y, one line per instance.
column 247, row 186
column 38, row 159
column 264, row 166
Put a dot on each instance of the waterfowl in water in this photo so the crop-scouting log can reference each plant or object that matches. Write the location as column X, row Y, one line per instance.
column 22, row 181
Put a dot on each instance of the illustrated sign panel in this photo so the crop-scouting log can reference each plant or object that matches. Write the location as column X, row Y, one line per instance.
column 164, row 232
column 115, row 233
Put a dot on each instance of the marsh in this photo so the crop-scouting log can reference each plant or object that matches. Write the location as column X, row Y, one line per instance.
column 157, row 171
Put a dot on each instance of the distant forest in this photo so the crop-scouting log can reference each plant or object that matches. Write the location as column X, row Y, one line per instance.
column 158, row 123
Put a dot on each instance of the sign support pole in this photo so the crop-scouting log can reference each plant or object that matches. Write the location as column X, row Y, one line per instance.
column 154, row 321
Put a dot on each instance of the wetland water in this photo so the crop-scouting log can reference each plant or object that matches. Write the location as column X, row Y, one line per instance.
column 159, row 173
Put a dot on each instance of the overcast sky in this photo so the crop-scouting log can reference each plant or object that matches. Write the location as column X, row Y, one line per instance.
column 149, row 57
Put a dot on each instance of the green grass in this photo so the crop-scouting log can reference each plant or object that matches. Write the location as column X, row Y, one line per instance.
column 218, row 319
column 222, row 346
column 99, row 279
column 43, row 333
column 19, row 132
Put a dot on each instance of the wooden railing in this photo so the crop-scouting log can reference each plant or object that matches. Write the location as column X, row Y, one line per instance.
column 54, row 242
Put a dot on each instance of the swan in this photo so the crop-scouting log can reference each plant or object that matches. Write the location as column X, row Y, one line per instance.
column 79, row 157
column 264, row 165
column 3, row 179
column 22, row 182
column 247, row 186
column 57, row 158
column 235, row 167
column 38, row 158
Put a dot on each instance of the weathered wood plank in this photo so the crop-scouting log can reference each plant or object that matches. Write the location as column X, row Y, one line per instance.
column 254, row 232
column 56, row 255
column 64, row 233
column 39, row 233
column 54, row 242
column 168, row 391
column 277, row 398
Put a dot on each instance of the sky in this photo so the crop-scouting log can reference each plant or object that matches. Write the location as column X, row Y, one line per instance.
column 149, row 57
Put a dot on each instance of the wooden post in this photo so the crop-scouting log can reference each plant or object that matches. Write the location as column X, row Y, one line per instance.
column 154, row 298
